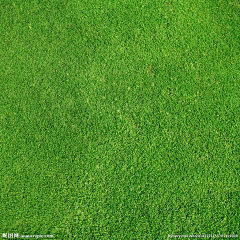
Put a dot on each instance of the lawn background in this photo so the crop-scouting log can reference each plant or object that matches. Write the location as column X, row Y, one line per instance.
column 119, row 119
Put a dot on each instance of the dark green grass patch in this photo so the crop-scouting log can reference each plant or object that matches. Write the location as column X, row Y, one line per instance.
column 119, row 119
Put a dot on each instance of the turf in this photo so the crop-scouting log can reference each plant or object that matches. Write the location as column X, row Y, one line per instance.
column 119, row 119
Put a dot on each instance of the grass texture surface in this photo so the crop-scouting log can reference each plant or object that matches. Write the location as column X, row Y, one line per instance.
column 119, row 119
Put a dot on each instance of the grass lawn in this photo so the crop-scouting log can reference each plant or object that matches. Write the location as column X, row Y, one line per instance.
column 119, row 119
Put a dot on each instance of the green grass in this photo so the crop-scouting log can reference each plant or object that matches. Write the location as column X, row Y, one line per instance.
column 119, row 119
